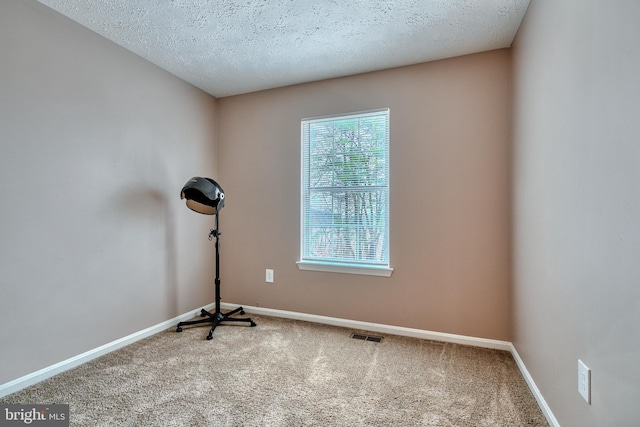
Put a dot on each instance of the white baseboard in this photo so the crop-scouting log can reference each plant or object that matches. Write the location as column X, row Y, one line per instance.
column 43, row 374
column 551, row 419
column 377, row 327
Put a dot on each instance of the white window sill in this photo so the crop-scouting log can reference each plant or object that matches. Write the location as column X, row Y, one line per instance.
column 368, row 270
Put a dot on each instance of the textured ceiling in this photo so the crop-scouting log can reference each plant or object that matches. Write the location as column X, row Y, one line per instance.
column 228, row 47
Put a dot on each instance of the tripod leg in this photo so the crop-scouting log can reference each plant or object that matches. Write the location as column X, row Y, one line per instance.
column 237, row 319
column 216, row 321
column 237, row 310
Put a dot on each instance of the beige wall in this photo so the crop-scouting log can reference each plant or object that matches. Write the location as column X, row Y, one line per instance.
column 576, row 292
column 95, row 144
column 450, row 203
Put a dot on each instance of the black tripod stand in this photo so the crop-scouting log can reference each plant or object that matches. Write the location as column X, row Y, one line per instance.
column 216, row 317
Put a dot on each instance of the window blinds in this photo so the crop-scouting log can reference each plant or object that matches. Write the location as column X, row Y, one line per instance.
column 345, row 189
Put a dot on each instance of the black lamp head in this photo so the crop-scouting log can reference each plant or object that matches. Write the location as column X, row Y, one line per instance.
column 203, row 195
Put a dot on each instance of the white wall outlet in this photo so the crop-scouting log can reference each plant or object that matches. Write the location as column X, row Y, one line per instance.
column 584, row 381
column 269, row 276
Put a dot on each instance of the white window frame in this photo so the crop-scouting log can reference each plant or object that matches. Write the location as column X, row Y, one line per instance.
column 339, row 266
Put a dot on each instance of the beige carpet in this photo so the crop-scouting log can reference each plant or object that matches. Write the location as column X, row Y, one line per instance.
column 291, row 373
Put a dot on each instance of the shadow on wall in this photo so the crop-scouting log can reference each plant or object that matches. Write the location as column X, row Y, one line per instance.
column 151, row 208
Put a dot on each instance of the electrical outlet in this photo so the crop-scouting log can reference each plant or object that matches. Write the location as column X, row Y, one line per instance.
column 584, row 381
column 269, row 276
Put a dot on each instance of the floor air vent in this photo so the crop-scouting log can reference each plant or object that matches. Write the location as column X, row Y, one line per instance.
column 362, row 337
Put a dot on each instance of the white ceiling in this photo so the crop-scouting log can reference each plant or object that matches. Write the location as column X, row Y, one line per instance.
column 229, row 47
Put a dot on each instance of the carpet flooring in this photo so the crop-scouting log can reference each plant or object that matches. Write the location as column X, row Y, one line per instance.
column 291, row 373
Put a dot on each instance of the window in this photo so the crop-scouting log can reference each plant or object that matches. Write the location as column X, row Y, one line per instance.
column 345, row 193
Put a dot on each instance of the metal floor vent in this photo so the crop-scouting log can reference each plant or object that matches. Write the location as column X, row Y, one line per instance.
column 362, row 337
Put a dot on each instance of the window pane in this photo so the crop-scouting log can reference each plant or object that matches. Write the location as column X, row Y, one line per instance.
column 345, row 189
